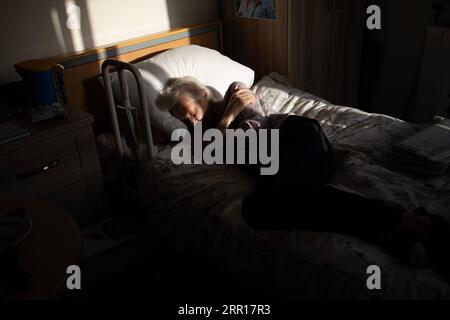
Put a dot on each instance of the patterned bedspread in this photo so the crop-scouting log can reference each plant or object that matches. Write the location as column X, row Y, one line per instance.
column 199, row 208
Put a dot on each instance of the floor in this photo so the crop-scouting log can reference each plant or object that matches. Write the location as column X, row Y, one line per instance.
column 149, row 265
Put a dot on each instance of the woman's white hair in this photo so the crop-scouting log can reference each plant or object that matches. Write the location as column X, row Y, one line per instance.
column 176, row 87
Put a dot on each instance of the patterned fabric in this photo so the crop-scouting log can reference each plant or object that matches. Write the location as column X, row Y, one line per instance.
column 198, row 207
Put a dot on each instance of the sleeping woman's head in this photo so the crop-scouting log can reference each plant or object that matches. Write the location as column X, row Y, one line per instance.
column 185, row 98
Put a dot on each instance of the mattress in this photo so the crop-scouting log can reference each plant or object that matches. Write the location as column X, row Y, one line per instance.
column 198, row 207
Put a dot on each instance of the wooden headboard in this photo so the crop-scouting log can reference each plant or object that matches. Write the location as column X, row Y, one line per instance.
column 82, row 69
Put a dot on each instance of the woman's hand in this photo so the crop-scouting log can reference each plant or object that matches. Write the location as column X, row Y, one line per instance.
column 238, row 101
column 243, row 97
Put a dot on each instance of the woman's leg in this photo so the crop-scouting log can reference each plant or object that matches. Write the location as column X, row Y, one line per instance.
column 306, row 156
column 296, row 197
column 306, row 162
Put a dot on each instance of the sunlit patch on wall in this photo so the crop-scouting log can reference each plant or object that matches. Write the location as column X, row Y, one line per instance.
column 73, row 23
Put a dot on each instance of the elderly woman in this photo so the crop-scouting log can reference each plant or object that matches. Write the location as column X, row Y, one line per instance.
column 298, row 195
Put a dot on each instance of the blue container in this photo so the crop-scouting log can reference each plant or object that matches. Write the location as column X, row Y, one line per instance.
column 44, row 82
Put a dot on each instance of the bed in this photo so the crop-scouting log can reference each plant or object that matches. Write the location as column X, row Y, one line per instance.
column 198, row 207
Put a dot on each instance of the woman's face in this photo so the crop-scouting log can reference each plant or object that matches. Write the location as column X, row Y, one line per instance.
column 188, row 109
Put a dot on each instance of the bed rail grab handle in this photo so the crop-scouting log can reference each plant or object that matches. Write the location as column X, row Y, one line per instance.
column 142, row 108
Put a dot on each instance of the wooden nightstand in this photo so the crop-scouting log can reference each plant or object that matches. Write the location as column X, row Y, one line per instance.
column 57, row 163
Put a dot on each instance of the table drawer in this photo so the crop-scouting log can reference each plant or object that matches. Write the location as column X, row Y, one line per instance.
column 47, row 164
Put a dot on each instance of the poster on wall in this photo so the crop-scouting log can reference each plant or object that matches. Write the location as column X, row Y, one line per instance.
column 258, row 9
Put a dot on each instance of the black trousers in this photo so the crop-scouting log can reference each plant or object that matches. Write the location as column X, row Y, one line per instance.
column 297, row 196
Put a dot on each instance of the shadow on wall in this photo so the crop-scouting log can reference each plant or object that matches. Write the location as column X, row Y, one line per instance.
column 49, row 28
column 182, row 13
column 72, row 25
column 36, row 29
column 392, row 57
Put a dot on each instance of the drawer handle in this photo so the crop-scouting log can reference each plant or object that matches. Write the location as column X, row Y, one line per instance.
column 44, row 168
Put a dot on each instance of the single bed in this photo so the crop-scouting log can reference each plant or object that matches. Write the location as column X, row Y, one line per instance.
column 198, row 207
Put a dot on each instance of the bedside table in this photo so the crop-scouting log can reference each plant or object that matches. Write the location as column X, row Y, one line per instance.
column 57, row 163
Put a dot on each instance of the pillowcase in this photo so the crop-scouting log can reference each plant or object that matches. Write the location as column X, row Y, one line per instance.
column 279, row 96
column 207, row 65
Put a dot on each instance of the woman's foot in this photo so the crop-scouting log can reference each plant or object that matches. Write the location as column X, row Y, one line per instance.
column 437, row 242
column 408, row 248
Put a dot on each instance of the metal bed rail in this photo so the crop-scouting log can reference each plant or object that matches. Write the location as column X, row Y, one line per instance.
column 134, row 115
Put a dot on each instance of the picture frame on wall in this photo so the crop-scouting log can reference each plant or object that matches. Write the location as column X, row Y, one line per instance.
column 256, row 9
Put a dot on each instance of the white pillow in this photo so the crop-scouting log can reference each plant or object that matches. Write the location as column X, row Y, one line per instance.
column 209, row 66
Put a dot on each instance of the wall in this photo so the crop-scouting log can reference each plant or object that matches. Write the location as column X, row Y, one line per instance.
column 35, row 29
column 393, row 57
column 259, row 44
column 314, row 43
